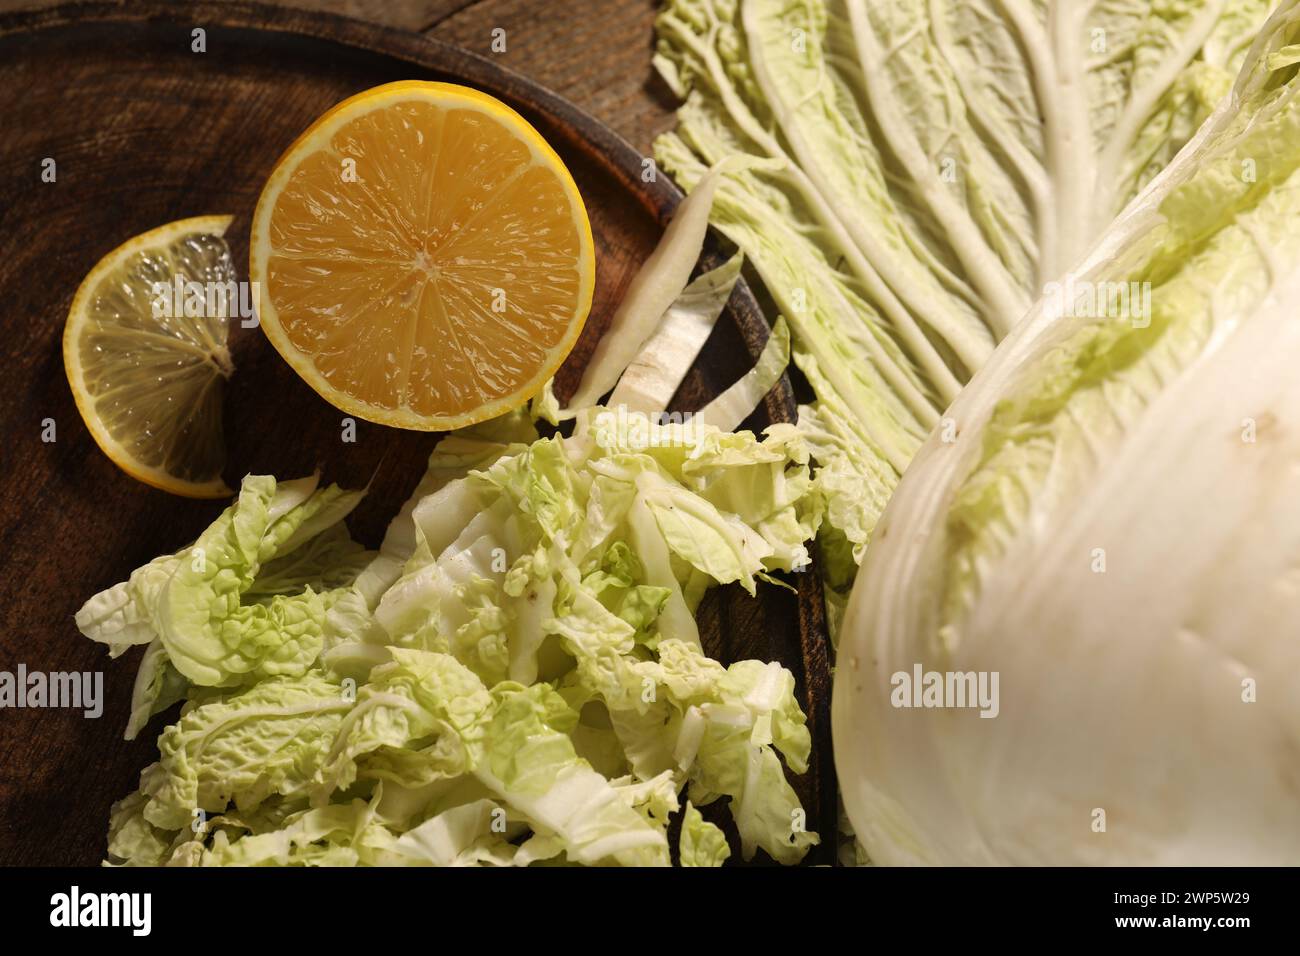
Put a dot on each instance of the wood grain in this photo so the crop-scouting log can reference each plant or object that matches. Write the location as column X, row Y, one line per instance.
column 595, row 54
column 144, row 132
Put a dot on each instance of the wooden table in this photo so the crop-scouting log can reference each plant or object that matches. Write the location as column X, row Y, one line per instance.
column 595, row 53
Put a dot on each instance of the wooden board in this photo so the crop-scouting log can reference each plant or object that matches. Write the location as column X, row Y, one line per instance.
column 143, row 131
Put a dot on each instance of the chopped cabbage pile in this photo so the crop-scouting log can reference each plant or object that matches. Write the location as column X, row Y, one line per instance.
column 514, row 677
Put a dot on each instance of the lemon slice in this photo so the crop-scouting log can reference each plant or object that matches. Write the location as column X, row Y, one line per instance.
column 423, row 257
column 149, row 386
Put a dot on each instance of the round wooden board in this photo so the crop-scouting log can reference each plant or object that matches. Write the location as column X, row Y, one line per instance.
column 143, row 130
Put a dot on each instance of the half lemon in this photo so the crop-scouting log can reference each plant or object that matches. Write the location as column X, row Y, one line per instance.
column 423, row 258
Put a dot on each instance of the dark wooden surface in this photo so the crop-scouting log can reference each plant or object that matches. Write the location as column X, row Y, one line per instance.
column 594, row 53
column 144, row 131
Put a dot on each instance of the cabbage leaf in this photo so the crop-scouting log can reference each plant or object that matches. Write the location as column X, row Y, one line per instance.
column 1113, row 531
column 918, row 172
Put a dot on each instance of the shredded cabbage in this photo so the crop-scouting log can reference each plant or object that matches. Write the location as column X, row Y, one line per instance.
column 515, row 677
